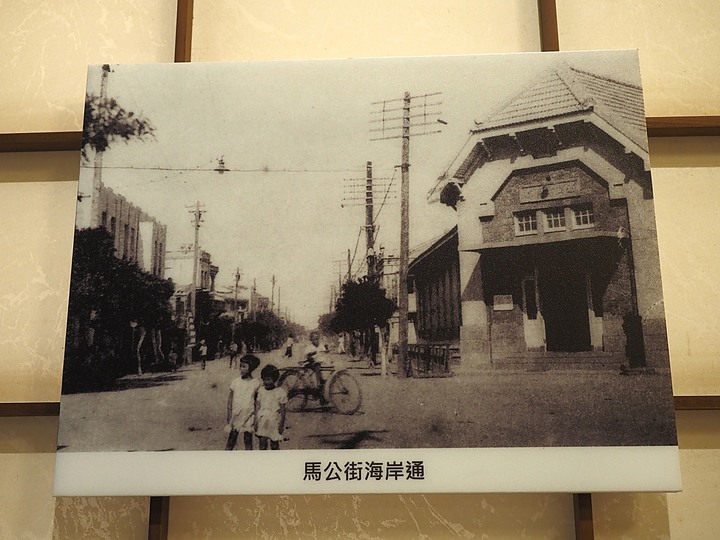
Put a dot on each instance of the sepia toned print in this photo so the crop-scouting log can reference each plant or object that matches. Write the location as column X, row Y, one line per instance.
column 362, row 255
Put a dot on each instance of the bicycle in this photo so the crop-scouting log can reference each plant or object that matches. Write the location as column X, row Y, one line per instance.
column 340, row 389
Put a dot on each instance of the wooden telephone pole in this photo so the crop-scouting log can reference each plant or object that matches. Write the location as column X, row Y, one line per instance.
column 385, row 125
column 235, row 303
column 369, row 224
column 197, row 220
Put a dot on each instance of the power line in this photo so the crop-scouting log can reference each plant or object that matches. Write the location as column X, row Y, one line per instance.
column 225, row 170
column 387, row 192
column 357, row 243
column 443, row 176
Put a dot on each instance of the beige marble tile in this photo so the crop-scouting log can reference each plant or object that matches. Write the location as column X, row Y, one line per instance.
column 630, row 516
column 693, row 513
column 688, row 223
column 373, row 516
column 226, row 30
column 47, row 46
column 101, row 518
column 26, row 502
column 678, row 44
column 28, row 509
column 36, row 242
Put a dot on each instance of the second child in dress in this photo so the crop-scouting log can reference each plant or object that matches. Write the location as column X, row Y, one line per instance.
column 270, row 409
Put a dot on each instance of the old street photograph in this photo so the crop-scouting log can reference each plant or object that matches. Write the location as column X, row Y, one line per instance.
column 440, row 252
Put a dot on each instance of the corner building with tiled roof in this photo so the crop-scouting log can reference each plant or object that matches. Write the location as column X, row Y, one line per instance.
column 557, row 245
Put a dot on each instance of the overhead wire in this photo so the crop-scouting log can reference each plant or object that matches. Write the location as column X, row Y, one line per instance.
column 450, row 164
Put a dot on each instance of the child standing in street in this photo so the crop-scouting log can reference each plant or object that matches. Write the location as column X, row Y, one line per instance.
column 203, row 350
column 241, row 403
column 270, row 409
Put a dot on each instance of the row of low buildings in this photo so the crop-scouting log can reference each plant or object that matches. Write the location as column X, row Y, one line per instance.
column 554, row 257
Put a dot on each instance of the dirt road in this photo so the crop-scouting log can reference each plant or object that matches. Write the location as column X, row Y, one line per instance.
column 185, row 410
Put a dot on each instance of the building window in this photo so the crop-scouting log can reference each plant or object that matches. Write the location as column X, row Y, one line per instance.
column 113, row 222
column 103, row 220
column 583, row 216
column 525, row 223
column 555, row 219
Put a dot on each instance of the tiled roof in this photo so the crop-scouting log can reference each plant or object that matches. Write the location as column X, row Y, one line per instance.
column 564, row 90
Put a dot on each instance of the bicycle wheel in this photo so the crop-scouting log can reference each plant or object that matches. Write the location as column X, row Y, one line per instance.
column 293, row 384
column 344, row 392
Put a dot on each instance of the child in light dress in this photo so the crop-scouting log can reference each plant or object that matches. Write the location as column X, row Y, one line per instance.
column 270, row 409
column 241, row 403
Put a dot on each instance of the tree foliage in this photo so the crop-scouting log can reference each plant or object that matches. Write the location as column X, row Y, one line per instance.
column 362, row 304
column 106, row 121
column 325, row 324
column 106, row 295
column 264, row 331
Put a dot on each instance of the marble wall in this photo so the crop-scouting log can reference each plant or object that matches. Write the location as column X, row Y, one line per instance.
column 46, row 46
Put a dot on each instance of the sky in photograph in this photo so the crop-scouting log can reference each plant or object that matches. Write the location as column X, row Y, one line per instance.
column 295, row 138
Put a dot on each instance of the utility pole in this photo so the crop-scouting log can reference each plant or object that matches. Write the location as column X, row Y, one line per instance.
column 369, row 226
column 404, row 241
column 349, row 274
column 252, row 299
column 272, row 295
column 278, row 303
column 386, row 127
column 197, row 220
column 235, row 301
column 98, row 162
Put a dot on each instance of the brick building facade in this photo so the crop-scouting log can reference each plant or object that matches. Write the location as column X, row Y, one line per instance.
column 557, row 249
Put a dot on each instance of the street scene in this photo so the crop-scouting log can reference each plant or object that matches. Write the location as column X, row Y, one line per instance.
column 395, row 413
column 453, row 252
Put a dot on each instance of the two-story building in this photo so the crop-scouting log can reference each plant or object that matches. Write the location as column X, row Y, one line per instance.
column 557, row 254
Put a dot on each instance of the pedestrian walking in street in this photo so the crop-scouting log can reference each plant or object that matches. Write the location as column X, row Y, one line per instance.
column 288, row 347
column 270, row 409
column 203, row 351
column 241, row 404
column 173, row 359
column 233, row 353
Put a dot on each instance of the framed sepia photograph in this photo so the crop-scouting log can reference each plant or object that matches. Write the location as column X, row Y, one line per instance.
column 431, row 274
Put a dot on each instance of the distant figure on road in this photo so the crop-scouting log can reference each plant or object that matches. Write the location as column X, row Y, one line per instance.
column 233, row 352
column 288, row 347
column 173, row 359
column 203, row 350
column 270, row 409
column 241, row 404
column 341, row 344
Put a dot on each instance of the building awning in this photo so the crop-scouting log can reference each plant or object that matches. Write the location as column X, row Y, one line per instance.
column 550, row 238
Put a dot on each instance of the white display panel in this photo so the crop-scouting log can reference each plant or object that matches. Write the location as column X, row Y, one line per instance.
column 244, row 167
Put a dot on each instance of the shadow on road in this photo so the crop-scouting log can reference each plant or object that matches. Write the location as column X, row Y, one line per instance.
column 350, row 440
column 151, row 381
